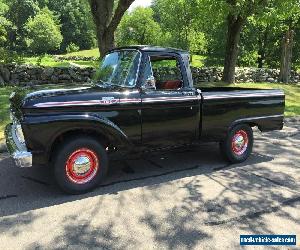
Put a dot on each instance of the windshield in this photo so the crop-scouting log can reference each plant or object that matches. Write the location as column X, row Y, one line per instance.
column 119, row 68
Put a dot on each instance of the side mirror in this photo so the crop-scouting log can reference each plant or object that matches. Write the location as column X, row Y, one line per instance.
column 150, row 83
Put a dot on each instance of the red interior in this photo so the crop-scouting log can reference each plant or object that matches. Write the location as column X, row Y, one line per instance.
column 172, row 84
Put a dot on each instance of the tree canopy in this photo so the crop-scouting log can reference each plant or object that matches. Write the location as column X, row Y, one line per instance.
column 76, row 23
column 73, row 16
column 139, row 27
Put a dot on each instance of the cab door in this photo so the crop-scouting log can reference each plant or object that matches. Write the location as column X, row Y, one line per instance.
column 170, row 109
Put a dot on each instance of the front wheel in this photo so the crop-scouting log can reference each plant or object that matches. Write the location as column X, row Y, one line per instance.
column 80, row 165
column 238, row 144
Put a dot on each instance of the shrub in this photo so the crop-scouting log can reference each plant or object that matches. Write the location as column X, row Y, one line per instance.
column 44, row 34
column 8, row 57
column 72, row 47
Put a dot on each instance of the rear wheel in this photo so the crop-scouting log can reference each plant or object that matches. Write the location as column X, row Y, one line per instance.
column 80, row 165
column 238, row 144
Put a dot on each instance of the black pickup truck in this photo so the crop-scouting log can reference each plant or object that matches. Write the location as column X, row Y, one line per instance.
column 142, row 99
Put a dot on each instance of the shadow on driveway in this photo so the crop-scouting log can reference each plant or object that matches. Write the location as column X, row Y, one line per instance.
column 27, row 189
column 179, row 198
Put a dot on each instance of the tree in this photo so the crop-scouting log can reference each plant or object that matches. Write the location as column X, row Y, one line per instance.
column 76, row 21
column 44, row 32
column 238, row 13
column 197, row 42
column 3, row 34
column 18, row 13
column 138, row 27
column 7, row 56
column 4, row 23
column 181, row 20
column 286, row 55
column 45, row 3
column 275, row 32
column 289, row 15
column 107, row 15
column 214, row 29
column 296, row 50
column 258, row 42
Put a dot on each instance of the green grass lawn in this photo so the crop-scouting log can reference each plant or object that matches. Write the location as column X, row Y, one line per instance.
column 4, row 109
column 86, row 53
column 48, row 61
column 292, row 99
column 93, row 64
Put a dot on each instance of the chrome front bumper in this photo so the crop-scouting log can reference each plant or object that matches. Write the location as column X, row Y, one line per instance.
column 17, row 150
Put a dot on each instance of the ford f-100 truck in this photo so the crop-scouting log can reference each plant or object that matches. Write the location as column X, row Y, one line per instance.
column 142, row 98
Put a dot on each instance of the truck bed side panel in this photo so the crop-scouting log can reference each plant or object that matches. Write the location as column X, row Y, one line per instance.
column 223, row 109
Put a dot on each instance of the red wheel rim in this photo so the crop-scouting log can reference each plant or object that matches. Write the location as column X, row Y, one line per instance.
column 82, row 166
column 239, row 143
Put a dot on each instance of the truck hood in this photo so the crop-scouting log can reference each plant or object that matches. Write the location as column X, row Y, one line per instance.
column 24, row 100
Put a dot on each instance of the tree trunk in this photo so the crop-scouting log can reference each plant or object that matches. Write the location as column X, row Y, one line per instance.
column 235, row 24
column 107, row 18
column 106, row 42
column 286, row 56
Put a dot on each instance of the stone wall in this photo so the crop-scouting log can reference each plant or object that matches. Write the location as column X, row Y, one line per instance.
column 242, row 75
column 33, row 75
column 76, row 58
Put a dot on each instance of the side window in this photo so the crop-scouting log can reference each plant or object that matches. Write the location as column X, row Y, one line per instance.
column 167, row 73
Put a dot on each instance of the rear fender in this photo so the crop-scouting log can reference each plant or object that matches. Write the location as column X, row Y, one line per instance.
column 264, row 123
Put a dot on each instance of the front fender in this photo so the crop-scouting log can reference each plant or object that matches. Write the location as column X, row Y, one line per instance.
column 41, row 131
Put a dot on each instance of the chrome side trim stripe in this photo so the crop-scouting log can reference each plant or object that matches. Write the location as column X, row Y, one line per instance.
column 76, row 103
column 113, row 101
column 225, row 96
column 260, row 117
column 128, row 101
column 165, row 99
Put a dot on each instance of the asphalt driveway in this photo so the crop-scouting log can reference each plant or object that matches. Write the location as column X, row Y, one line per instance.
column 189, row 199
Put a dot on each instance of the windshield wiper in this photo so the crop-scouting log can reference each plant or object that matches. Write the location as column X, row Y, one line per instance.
column 101, row 83
column 117, row 85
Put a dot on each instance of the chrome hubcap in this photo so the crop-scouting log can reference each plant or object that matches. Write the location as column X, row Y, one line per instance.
column 81, row 165
column 239, row 142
